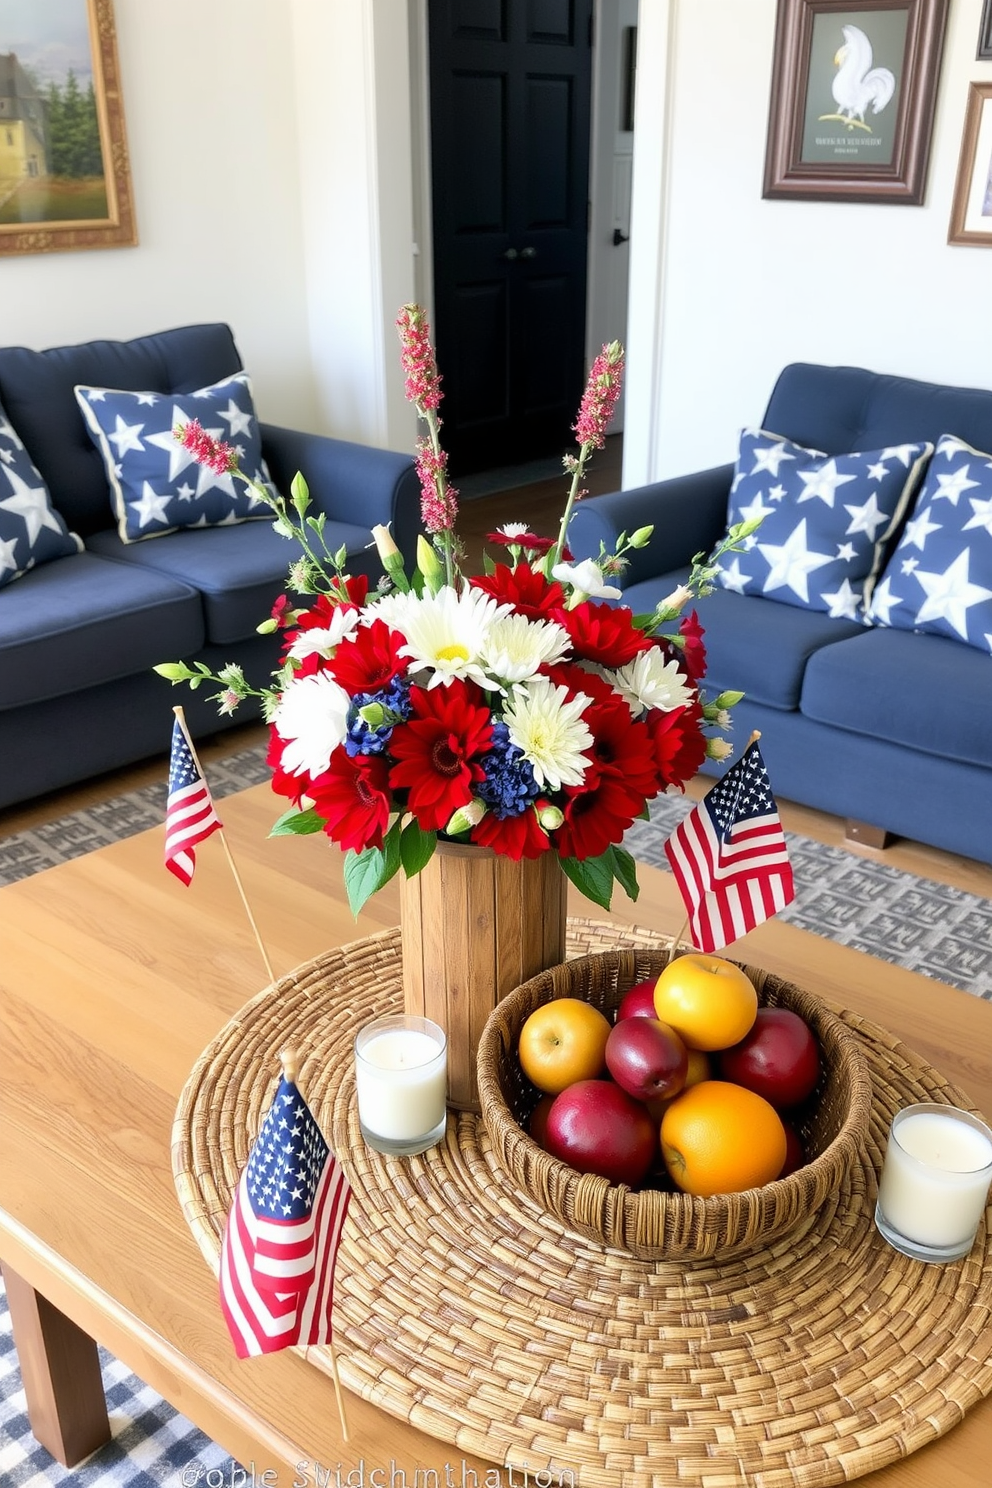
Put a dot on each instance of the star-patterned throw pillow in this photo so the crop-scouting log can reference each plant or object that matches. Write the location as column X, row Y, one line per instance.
column 31, row 531
column 157, row 484
column 825, row 522
column 940, row 576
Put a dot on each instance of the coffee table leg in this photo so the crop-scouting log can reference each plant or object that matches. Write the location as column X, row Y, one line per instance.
column 60, row 1367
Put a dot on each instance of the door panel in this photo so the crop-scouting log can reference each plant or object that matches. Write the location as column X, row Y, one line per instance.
column 510, row 102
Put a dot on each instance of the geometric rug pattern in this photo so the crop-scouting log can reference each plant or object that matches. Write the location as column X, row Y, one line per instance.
column 938, row 931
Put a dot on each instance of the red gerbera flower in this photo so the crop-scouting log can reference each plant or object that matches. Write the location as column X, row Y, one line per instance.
column 352, row 796
column 514, row 837
column 603, row 634
column 369, row 659
column 595, row 818
column 530, row 593
column 679, row 742
column 623, row 748
column 569, row 674
column 693, row 652
column 438, row 750
column 283, row 783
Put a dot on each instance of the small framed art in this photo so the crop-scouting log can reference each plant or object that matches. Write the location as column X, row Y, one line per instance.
column 971, row 211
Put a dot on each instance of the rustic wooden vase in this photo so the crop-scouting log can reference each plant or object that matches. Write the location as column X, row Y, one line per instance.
column 475, row 925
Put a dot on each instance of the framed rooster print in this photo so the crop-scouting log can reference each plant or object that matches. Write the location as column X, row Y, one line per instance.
column 853, row 94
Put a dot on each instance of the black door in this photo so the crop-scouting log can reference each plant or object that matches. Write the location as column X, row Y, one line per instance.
column 510, row 101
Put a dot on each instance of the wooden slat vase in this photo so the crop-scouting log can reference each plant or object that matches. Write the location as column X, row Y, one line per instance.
column 474, row 926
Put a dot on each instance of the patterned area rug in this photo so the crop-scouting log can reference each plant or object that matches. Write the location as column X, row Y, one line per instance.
column 927, row 927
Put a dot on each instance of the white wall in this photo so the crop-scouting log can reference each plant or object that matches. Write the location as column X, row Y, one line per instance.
column 745, row 285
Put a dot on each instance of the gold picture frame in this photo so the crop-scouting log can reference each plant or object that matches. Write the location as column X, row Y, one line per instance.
column 971, row 210
column 86, row 200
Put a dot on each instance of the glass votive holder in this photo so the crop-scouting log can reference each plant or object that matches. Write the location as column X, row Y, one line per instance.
column 401, row 1077
column 935, row 1182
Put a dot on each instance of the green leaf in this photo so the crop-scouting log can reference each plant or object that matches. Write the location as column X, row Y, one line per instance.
column 363, row 875
column 593, row 877
column 295, row 823
column 416, row 847
column 624, row 871
column 391, row 853
column 488, row 564
column 643, row 622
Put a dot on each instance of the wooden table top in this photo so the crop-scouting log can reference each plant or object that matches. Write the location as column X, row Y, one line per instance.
column 113, row 977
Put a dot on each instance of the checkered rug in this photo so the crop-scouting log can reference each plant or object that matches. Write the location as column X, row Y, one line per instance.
column 927, row 927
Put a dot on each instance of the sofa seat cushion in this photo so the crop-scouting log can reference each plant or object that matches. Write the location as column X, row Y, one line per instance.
column 924, row 692
column 82, row 621
column 760, row 648
column 240, row 570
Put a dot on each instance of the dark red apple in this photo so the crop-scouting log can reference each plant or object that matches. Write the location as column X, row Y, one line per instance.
column 795, row 1157
column 596, row 1127
column 779, row 1058
column 638, row 1002
column 646, row 1058
column 537, row 1125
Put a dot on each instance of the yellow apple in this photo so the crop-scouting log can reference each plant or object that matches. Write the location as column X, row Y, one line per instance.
column 710, row 1002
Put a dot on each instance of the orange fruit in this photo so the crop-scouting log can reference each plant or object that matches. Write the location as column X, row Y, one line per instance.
column 719, row 1138
column 709, row 1001
column 562, row 1042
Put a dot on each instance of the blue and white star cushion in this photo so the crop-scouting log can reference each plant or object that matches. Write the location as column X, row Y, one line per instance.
column 825, row 522
column 31, row 532
column 939, row 577
column 156, row 483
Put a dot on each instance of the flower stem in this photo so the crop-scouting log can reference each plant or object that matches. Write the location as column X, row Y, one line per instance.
column 577, row 474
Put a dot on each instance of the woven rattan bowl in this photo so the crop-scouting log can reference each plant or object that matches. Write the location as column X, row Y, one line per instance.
column 649, row 1223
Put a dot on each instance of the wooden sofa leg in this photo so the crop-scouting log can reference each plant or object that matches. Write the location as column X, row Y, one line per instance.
column 865, row 834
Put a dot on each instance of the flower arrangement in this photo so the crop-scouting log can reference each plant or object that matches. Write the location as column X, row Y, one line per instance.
column 518, row 709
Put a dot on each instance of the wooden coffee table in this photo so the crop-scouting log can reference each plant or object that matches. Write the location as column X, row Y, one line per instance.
column 113, row 978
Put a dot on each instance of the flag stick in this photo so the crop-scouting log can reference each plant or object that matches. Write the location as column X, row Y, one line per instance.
column 290, row 1060
column 230, row 857
column 682, row 935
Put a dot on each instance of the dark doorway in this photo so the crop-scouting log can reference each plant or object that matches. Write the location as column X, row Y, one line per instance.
column 510, row 85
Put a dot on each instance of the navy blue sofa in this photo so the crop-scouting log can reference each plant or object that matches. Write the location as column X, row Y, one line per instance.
column 889, row 729
column 79, row 635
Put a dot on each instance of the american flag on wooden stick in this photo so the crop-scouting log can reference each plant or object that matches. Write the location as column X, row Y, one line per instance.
column 729, row 856
column 283, row 1231
column 189, row 814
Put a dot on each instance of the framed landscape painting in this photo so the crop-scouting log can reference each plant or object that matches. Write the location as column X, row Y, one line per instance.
column 853, row 95
column 64, row 177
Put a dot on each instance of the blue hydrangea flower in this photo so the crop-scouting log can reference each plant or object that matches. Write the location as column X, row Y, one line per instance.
column 394, row 700
column 509, row 787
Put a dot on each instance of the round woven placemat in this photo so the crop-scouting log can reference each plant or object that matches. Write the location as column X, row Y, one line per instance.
column 463, row 1309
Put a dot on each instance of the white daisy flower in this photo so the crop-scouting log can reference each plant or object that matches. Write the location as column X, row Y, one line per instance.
column 391, row 608
column 649, row 681
column 312, row 717
column 516, row 647
column 324, row 640
column 586, row 578
column 447, row 632
column 550, row 731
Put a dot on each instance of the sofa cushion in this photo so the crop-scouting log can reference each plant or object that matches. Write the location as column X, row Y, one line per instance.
column 825, row 520
column 939, row 578
column 156, row 484
column 760, row 648
column 30, row 531
column 923, row 692
column 36, row 388
column 238, row 570
column 83, row 621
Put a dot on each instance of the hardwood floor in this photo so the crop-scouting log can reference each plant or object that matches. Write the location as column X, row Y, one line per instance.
column 540, row 505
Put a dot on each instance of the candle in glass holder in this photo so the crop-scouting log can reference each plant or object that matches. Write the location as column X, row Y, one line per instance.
column 401, row 1078
column 935, row 1182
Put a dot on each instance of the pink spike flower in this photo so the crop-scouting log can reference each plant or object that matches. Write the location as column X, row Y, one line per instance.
column 438, row 500
column 423, row 381
column 600, row 397
column 206, row 450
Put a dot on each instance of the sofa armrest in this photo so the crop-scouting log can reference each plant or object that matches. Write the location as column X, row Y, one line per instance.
column 689, row 514
column 350, row 482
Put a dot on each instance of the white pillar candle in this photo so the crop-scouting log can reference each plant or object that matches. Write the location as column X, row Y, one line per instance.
column 935, row 1181
column 400, row 1075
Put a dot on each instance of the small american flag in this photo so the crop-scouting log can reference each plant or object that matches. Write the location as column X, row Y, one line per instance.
column 283, row 1232
column 729, row 856
column 189, row 814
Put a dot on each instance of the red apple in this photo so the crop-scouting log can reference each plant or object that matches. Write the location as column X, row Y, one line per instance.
column 637, row 1003
column 596, row 1127
column 779, row 1058
column 537, row 1125
column 795, row 1157
column 646, row 1058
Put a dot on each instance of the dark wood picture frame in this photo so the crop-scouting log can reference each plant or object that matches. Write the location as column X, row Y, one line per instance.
column 113, row 226
column 899, row 174
column 984, row 53
column 971, row 210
